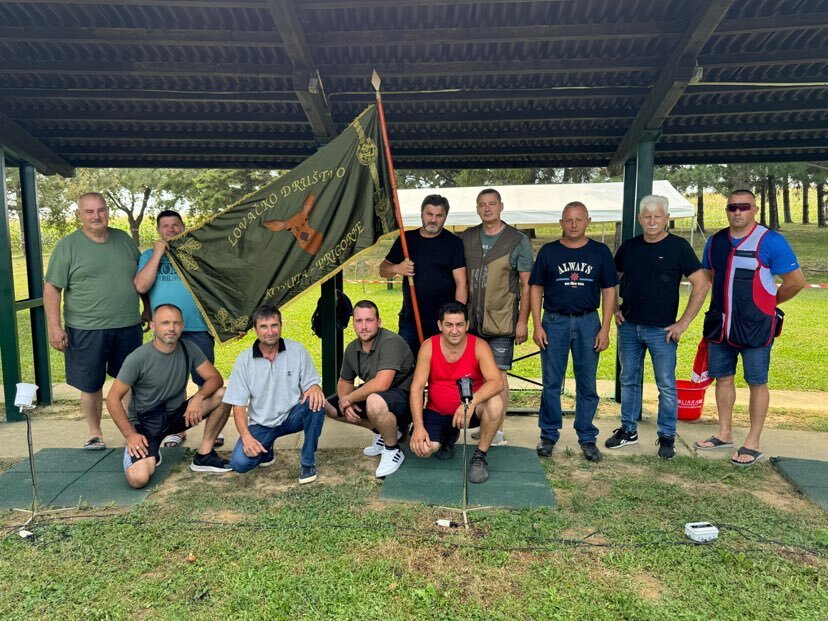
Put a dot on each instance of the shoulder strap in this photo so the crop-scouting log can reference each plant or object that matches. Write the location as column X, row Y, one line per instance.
column 186, row 366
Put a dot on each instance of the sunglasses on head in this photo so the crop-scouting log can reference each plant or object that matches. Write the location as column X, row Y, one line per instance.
column 733, row 207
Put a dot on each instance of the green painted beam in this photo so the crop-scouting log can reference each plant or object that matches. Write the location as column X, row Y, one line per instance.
column 332, row 337
column 9, row 345
column 34, row 275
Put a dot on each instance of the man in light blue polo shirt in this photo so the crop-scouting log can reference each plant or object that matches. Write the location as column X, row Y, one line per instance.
column 275, row 391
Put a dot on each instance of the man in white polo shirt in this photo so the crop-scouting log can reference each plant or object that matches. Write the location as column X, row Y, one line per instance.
column 275, row 391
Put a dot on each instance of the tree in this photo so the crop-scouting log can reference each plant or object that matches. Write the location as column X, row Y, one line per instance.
column 786, row 199
column 698, row 179
column 773, row 205
column 805, row 183
column 821, row 206
column 210, row 191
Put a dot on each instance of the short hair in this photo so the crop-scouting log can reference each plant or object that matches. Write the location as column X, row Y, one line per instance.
column 367, row 304
column 744, row 191
column 168, row 213
column 167, row 305
column 453, row 308
column 651, row 202
column 573, row 205
column 97, row 195
column 265, row 311
column 436, row 200
column 489, row 191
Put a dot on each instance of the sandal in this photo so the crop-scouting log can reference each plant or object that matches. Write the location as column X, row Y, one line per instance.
column 714, row 441
column 757, row 455
column 219, row 441
column 94, row 443
column 172, row 440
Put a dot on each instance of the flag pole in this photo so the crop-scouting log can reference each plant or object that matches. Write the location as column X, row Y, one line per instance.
column 375, row 82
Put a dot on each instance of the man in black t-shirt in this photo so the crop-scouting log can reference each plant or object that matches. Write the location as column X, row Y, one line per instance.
column 572, row 276
column 651, row 267
column 437, row 264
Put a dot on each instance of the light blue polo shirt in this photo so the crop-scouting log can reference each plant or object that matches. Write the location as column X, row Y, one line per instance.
column 271, row 389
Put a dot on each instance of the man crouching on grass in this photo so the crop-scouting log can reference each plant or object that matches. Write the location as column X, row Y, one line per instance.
column 158, row 373
column 443, row 359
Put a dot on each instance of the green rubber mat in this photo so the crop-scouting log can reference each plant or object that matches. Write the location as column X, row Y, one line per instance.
column 72, row 477
column 516, row 480
column 809, row 476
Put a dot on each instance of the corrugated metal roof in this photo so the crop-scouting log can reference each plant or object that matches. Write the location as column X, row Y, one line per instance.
column 465, row 83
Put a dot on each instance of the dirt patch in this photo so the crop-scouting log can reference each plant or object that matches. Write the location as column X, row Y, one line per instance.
column 649, row 587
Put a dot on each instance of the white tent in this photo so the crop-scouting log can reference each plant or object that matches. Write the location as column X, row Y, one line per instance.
column 529, row 206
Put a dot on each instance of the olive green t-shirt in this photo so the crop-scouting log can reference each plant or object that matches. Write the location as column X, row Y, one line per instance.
column 97, row 280
column 157, row 376
column 389, row 351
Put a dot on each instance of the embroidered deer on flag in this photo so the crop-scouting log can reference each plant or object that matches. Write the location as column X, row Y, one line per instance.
column 310, row 240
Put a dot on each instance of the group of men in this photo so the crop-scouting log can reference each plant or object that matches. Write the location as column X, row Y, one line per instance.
column 474, row 292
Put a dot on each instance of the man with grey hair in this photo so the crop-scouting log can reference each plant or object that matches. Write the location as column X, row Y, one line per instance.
column 651, row 267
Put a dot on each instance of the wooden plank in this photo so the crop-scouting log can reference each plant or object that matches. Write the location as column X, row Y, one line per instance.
column 22, row 146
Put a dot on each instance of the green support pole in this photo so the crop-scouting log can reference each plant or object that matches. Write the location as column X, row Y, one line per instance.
column 34, row 273
column 332, row 337
column 9, row 343
column 644, row 170
column 629, row 221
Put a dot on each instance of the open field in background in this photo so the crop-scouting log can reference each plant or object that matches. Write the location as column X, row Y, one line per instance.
column 800, row 355
column 259, row 546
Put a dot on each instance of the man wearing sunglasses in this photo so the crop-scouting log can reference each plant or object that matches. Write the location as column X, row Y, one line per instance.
column 741, row 262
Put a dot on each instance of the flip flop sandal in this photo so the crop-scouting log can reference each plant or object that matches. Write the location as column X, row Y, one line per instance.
column 717, row 444
column 219, row 440
column 95, row 443
column 757, row 455
column 171, row 440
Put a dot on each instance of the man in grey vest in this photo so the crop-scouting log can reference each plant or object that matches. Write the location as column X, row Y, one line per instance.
column 499, row 263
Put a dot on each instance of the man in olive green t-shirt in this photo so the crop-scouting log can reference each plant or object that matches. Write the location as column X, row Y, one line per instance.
column 93, row 268
column 384, row 363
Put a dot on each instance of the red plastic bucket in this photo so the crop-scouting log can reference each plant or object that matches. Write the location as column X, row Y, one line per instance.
column 690, row 399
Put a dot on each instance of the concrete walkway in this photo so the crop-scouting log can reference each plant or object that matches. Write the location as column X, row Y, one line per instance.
column 520, row 431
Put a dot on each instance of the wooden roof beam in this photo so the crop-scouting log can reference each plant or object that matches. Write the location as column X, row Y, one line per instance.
column 672, row 80
column 21, row 145
column 307, row 82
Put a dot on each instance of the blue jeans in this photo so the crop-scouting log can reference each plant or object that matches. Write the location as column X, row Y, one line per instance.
column 634, row 339
column 408, row 331
column 299, row 419
column 565, row 334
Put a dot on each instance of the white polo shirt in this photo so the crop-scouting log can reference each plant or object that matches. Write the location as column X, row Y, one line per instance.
column 271, row 389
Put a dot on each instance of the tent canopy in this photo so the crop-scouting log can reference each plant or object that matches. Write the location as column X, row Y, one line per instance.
column 528, row 206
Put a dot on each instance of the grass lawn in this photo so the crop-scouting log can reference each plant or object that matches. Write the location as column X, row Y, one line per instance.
column 259, row 546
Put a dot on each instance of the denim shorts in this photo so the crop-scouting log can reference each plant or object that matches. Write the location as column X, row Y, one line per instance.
column 503, row 348
column 721, row 360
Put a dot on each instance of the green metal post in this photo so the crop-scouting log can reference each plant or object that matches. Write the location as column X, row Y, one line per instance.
column 34, row 273
column 332, row 337
column 628, row 226
column 9, row 342
column 644, row 170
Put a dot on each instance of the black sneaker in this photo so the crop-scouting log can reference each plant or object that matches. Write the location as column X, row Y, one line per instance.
column 545, row 447
column 621, row 437
column 591, row 451
column 307, row 474
column 666, row 447
column 445, row 452
column 477, row 468
column 210, row 462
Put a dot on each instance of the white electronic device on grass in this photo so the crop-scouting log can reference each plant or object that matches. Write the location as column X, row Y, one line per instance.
column 701, row 532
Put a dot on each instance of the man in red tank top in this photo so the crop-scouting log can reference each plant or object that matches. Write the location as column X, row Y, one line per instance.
column 443, row 359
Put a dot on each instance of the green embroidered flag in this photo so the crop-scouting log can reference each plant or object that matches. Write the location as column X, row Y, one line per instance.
column 272, row 245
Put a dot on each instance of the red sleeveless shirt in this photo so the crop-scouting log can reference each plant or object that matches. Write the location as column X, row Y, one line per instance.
column 443, row 394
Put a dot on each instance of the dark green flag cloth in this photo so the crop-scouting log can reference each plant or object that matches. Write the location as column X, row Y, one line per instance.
column 272, row 245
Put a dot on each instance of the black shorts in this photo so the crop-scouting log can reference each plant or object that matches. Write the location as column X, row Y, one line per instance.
column 175, row 424
column 92, row 354
column 395, row 398
column 439, row 428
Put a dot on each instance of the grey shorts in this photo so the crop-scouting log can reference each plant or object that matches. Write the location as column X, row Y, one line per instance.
column 503, row 348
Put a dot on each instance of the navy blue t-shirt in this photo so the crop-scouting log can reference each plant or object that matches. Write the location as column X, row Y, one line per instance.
column 572, row 278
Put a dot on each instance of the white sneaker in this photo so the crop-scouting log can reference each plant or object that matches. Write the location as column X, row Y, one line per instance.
column 390, row 462
column 498, row 440
column 377, row 446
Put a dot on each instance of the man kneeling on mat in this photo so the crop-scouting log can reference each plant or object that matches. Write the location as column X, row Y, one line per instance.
column 158, row 372
column 443, row 359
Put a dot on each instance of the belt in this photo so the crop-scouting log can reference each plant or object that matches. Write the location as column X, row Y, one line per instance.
column 579, row 314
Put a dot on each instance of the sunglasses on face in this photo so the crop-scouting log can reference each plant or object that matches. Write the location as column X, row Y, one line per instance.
column 734, row 207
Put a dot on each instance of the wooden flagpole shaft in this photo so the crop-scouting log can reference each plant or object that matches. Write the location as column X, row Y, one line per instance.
column 414, row 304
